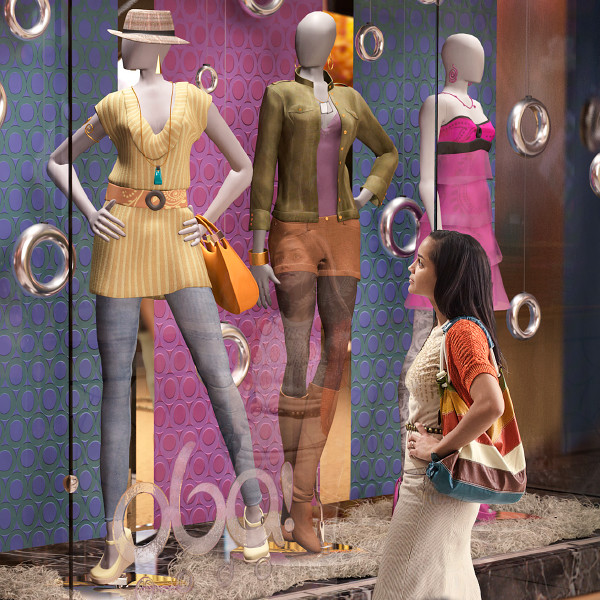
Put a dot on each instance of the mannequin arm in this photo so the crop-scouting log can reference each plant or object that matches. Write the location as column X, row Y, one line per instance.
column 237, row 180
column 372, row 134
column 364, row 196
column 262, row 273
column 427, row 155
column 265, row 159
column 101, row 221
column 240, row 176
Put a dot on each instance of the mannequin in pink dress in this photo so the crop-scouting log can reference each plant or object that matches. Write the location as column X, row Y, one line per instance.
column 465, row 136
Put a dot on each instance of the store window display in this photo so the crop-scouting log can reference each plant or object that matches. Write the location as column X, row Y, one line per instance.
column 463, row 201
column 146, row 245
column 306, row 129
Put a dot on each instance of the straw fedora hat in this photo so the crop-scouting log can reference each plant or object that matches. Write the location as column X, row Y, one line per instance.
column 151, row 26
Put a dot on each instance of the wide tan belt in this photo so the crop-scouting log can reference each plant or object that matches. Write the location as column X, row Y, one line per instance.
column 152, row 199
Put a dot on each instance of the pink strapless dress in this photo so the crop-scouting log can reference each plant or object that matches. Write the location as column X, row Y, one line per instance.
column 465, row 202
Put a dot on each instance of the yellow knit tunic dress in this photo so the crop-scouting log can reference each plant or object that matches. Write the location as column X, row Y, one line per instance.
column 152, row 259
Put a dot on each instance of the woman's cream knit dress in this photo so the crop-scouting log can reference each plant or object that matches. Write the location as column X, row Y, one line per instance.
column 427, row 553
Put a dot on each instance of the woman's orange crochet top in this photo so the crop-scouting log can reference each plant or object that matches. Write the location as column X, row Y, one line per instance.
column 468, row 355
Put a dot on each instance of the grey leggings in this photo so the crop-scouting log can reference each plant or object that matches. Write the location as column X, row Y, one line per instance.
column 196, row 315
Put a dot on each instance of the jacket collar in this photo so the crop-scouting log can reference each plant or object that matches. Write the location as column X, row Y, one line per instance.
column 326, row 77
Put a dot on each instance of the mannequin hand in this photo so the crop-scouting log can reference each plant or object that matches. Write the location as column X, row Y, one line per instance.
column 193, row 230
column 104, row 224
column 364, row 196
column 263, row 274
column 421, row 444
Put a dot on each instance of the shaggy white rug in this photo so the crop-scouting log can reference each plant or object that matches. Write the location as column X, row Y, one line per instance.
column 32, row 583
column 364, row 527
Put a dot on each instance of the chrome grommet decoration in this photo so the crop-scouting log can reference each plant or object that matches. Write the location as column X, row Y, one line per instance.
column 33, row 32
column 214, row 78
column 438, row 2
column 360, row 42
column 512, row 316
column 589, row 124
column 516, row 138
column 24, row 247
column 230, row 332
column 3, row 105
column 595, row 175
column 386, row 226
column 261, row 9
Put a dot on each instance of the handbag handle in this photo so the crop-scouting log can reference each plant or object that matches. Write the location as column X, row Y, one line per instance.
column 214, row 233
column 446, row 327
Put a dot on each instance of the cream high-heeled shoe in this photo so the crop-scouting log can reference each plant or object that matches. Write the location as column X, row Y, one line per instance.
column 102, row 576
column 253, row 554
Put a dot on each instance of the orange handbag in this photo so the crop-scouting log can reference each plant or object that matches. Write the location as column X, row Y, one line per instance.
column 233, row 285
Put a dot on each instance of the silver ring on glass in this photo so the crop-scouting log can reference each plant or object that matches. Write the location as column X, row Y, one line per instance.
column 386, row 226
column 516, row 138
column 33, row 32
column 24, row 247
column 595, row 175
column 231, row 332
column 361, row 38
column 512, row 316
column 3, row 105
column 214, row 78
column 589, row 124
column 261, row 9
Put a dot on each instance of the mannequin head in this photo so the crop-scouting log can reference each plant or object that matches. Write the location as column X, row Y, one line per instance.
column 142, row 55
column 315, row 36
column 463, row 58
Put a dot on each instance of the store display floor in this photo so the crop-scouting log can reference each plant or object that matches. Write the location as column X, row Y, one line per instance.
column 561, row 570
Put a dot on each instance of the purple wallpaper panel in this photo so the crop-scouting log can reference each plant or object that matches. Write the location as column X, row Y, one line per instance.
column 248, row 54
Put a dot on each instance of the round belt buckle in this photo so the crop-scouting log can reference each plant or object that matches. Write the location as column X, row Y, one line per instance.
column 155, row 205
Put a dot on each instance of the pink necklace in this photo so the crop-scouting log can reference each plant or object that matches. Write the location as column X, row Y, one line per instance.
column 469, row 107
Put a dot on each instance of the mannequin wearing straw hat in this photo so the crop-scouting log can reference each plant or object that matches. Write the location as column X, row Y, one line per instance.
column 145, row 245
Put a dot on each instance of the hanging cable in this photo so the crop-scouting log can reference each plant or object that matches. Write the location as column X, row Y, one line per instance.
column 437, row 69
column 526, row 149
column 70, row 286
column 225, row 68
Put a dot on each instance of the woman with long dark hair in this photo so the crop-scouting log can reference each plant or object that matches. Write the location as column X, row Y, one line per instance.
column 427, row 552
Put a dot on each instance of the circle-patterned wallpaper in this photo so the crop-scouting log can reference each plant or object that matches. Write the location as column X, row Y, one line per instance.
column 395, row 86
column 34, row 331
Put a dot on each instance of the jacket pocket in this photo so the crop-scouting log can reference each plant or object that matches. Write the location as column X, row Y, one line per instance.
column 299, row 110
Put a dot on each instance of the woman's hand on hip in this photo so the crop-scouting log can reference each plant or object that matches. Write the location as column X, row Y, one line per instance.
column 263, row 274
column 192, row 230
column 103, row 224
column 421, row 444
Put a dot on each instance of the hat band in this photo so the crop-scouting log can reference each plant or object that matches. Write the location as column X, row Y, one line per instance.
column 146, row 31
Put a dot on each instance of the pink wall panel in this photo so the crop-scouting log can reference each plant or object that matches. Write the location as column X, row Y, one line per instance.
column 248, row 54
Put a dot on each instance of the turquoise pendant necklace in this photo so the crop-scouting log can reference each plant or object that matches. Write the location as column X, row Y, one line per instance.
column 158, row 180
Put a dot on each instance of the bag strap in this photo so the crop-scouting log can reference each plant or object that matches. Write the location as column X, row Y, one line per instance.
column 446, row 326
column 214, row 233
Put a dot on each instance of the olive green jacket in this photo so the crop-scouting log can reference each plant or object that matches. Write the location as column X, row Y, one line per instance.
column 289, row 130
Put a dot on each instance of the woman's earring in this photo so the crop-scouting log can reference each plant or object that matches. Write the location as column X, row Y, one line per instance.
column 329, row 63
column 158, row 69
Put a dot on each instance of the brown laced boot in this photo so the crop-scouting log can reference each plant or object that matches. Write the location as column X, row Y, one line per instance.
column 310, row 447
column 290, row 413
column 328, row 405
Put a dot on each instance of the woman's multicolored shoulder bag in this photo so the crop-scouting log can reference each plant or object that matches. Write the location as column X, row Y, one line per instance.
column 491, row 469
